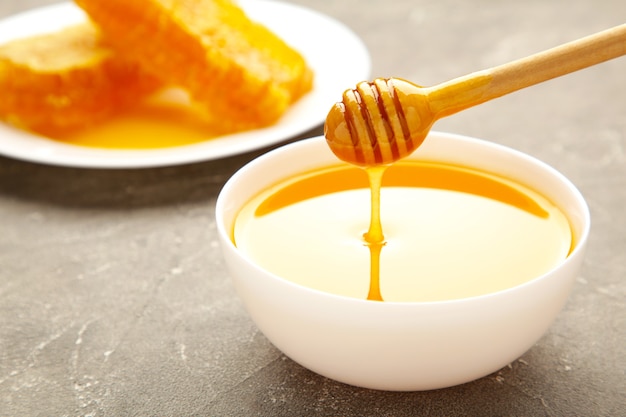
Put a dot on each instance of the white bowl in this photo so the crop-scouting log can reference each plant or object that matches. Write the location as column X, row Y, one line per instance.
column 402, row 346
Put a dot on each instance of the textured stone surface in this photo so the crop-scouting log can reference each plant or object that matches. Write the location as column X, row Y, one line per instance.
column 114, row 299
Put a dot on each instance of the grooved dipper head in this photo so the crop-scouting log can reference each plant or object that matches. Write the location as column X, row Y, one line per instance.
column 378, row 122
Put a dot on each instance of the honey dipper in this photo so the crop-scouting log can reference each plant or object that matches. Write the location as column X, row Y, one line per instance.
column 385, row 120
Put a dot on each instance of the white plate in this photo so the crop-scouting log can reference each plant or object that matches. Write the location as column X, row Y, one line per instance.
column 338, row 57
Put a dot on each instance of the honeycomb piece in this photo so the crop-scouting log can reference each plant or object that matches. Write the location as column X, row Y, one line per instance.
column 68, row 80
column 240, row 71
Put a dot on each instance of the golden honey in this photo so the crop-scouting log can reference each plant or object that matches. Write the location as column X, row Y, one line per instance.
column 450, row 232
column 163, row 120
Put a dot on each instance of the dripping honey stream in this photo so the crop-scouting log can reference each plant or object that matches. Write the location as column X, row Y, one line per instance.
column 374, row 237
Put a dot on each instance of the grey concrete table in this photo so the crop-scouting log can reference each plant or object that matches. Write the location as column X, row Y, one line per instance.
column 114, row 299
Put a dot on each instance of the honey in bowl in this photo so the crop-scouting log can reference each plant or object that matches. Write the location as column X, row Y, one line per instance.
column 450, row 232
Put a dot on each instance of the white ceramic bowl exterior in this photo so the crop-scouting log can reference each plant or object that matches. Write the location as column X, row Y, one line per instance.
column 402, row 346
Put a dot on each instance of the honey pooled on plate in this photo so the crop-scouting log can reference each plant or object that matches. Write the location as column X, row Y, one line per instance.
column 451, row 232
